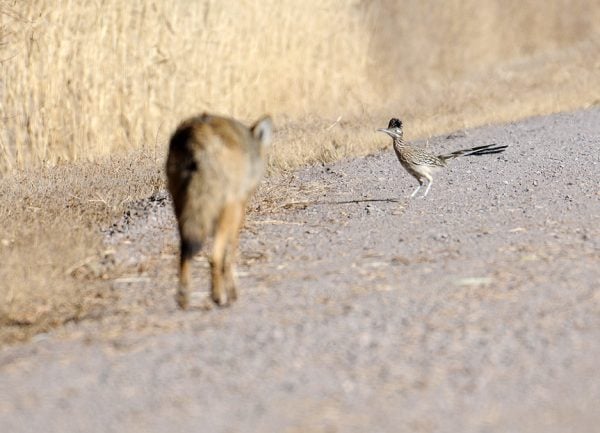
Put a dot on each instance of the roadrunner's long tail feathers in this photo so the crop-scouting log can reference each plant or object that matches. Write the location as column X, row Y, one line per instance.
column 488, row 149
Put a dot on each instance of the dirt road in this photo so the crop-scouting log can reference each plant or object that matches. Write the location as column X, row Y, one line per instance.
column 476, row 309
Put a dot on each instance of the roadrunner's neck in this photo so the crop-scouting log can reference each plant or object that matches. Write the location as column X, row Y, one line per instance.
column 399, row 144
column 395, row 131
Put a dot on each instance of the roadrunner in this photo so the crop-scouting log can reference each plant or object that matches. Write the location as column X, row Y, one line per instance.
column 422, row 164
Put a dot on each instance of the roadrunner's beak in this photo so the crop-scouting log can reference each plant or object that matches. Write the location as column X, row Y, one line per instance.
column 390, row 131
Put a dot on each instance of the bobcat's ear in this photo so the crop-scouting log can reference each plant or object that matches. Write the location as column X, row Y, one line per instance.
column 262, row 130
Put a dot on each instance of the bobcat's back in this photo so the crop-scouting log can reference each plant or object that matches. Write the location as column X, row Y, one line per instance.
column 212, row 161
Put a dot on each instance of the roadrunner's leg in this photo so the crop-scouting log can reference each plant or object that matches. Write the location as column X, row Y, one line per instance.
column 417, row 190
column 429, row 183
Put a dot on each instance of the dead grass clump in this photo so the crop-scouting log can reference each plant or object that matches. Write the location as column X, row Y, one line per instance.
column 50, row 240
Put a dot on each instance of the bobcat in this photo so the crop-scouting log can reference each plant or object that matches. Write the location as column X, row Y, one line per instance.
column 213, row 167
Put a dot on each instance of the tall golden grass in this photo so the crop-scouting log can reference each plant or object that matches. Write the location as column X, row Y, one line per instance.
column 84, row 79
column 88, row 78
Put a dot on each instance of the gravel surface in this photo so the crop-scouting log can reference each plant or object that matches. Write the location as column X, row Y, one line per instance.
column 476, row 309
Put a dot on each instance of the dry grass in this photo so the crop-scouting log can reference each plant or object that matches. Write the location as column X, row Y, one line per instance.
column 84, row 79
column 50, row 241
column 88, row 78
column 80, row 81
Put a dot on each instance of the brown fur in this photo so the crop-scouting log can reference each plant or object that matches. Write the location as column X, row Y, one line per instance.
column 213, row 167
